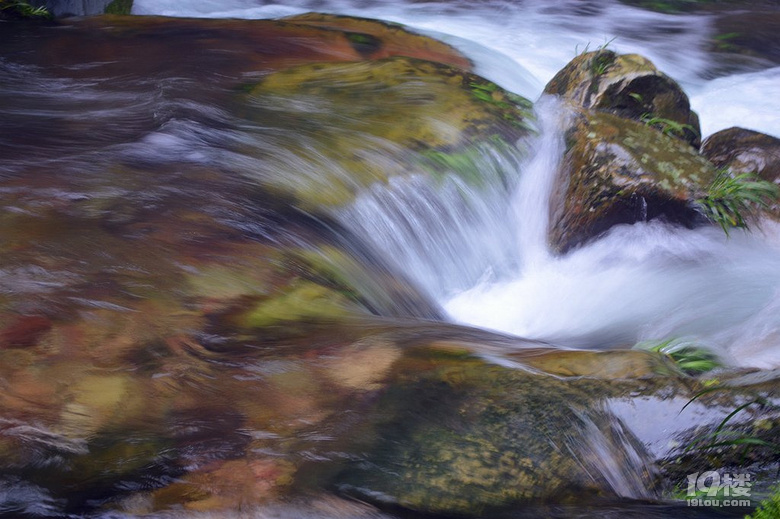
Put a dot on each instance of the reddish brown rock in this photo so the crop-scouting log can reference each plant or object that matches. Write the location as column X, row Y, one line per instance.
column 24, row 331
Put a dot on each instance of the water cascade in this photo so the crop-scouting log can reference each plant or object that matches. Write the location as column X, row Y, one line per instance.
column 248, row 270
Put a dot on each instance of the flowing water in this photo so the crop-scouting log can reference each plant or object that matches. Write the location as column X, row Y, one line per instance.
column 483, row 257
column 175, row 150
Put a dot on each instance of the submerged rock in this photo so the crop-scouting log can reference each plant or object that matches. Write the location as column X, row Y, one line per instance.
column 429, row 112
column 629, row 86
column 619, row 171
column 455, row 435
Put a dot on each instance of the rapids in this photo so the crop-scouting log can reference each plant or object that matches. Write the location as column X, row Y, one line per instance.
column 154, row 177
column 481, row 255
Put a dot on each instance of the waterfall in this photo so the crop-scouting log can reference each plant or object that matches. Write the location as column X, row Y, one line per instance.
column 530, row 204
column 446, row 234
column 480, row 250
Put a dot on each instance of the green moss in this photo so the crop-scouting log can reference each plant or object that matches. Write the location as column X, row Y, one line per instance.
column 364, row 44
column 303, row 301
column 469, row 163
column 119, row 7
column 669, row 6
column 426, row 108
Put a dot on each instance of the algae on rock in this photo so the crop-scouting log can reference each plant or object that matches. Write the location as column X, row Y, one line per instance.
column 616, row 171
column 629, row 86
column 427, row 108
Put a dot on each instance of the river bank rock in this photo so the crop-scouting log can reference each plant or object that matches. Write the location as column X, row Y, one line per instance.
column 432, row 119
column 222, row 50
column 629, row 86
column 619, row 171
column 454, row 435
column 745, row 151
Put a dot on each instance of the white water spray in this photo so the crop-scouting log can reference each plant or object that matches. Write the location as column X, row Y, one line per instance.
column 647, row 281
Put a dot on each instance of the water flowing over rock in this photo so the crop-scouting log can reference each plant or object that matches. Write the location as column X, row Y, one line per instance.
column 431, row 116
column 629, row 86
column 188, row 325
column 453, row 434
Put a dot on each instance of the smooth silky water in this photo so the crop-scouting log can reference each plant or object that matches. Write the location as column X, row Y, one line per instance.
column 484, row 259
column 479, row 253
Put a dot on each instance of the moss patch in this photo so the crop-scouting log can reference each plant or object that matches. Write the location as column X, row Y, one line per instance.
column 352, row 142
column 119, row 7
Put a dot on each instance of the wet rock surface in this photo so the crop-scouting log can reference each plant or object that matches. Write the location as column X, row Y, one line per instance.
column 631, row 87
column 618, row 171
column 745, row 151
column 188, row 327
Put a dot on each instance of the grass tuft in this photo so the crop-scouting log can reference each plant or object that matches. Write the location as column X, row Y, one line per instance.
column 690, row 357
column 666, row 126
column 20, row 10
column 768, row 508
column 731, row 199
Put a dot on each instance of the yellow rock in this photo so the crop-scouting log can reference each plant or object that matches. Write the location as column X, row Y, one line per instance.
column 362, row 365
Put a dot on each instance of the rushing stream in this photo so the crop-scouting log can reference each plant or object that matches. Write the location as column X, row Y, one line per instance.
column 156, row 199
column 485, row 260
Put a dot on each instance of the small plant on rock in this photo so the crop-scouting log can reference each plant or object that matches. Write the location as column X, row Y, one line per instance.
column 667, row 126
column 602, row 59
column 768, row 508
column 723, row 436
column 16, row 9
column 690, row 357
column 730, row 199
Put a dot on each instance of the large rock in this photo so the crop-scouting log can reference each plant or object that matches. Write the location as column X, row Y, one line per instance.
column 375, row 39
column 630, row 86
column 225, row 51
column 431, row 115
column 455, row 435
column 617, row 171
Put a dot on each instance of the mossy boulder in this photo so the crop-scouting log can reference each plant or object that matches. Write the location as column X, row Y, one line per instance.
column 619, row 171
column 746, row 151
column 428, row 111
column 218, row 51
column 123, row 7
column 630, row 86
column 455, row 435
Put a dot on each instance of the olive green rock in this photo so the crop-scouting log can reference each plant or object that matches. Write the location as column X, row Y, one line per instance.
column 619, row 171
column 428, row 111
column 630, row 86
column 453, row 434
